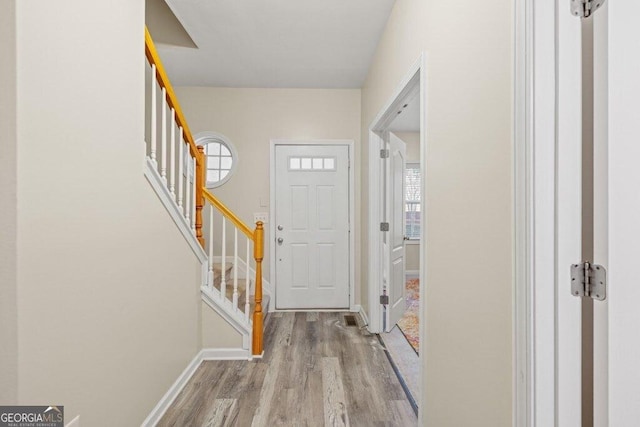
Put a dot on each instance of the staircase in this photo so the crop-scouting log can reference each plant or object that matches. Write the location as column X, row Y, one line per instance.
column 229, row 251
column 229, row 277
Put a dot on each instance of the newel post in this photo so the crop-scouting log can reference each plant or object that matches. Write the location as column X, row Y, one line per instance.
column 200, row 183
column 258, row 254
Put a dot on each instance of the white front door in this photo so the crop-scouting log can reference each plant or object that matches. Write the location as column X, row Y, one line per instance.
column 394, row 239
column 312, row 226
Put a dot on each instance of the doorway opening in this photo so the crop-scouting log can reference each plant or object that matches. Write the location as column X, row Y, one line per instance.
column 397, row 153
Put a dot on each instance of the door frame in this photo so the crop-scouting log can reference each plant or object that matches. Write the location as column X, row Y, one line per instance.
column 349, row 143
column 534, row 213
column 524, row 218
column 547, row 212
column 416, row 76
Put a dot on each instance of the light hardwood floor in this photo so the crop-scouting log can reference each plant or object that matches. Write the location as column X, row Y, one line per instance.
column 316, row 371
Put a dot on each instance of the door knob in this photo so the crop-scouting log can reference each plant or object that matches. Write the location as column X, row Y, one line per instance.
column 280, row 227
column 280, row 240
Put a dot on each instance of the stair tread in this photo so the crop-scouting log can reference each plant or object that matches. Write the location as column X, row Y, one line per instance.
column 241, row 295
column 217, row 281
column 217, row 267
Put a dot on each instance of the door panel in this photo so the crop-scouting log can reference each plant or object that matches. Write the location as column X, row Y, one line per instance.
column 312, row 226
column 623, row 213
column 395, row 241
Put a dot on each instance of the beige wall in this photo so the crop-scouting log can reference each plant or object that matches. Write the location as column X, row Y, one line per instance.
column 467, row 358
column 8, row 213
column 216, row 332
column 412, row 139
column 163, row 25
column 250, row 118
column 102, row 323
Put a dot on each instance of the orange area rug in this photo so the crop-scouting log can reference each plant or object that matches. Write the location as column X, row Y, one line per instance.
column 409, row 324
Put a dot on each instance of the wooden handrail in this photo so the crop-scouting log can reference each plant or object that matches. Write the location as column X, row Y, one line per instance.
column 152, row 56
column 201, row 193
column 257, row 236
column 228, row 214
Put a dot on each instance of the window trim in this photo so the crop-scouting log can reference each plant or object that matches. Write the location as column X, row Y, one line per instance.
column 208, row 137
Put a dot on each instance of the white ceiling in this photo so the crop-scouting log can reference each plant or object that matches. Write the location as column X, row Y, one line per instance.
column 277, row 43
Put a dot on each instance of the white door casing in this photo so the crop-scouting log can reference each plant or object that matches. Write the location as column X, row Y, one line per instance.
column 394, row 239
column 312, row 226
column 556, row 321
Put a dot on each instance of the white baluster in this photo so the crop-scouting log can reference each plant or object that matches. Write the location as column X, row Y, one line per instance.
column 247, row 282
column 163, row 137
column 193, row 199
column 154, row 113
column 223, row 283
column 172, row 156
column 235, row 267
column 181, row 180
column 187, row 199
column 211, row 247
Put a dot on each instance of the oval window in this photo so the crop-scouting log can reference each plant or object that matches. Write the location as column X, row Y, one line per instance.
column 221, row 157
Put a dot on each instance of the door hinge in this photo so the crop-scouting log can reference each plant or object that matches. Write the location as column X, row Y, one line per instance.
column 589, row 280
column 384, row 153
column 384, row 299
column 384, row 226
column 585, row 8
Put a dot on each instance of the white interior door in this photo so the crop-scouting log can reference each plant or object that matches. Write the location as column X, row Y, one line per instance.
column 616, row 209
column 395, row 241
column 600, row 212
column 312, row 226
column 623, row 213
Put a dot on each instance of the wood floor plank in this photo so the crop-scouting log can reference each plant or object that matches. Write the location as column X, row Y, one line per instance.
column 402, row 414
column 275, row 357
column 249, row 397
column 315, row 372
column 224, row 412
column 335, row 403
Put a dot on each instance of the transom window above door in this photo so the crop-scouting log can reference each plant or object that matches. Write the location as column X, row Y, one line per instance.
column 312, row 163
column 221, row 157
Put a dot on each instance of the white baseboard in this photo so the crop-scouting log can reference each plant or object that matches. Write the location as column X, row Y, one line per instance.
column 226, row 354
column 74, row 422
column 205, row 354
column 175, row 389
column 160, row 188
column 363, row 315
column 224, row 308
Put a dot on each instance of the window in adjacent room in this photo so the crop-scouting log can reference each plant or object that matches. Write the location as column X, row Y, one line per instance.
column 412, row 201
